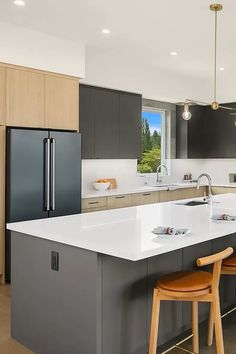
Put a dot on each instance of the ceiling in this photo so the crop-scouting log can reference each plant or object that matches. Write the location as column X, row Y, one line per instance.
column 136, row 55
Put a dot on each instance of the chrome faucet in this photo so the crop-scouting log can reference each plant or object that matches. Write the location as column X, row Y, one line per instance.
column 209, row 196
column 159, row 178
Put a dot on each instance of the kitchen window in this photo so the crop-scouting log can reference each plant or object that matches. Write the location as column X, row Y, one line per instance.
column 155, row 139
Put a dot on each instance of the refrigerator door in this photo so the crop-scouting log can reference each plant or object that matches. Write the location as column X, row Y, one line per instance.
column 26, row 174
column 65, row 173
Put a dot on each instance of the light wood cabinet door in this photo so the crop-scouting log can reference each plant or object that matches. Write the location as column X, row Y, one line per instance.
column 119, row 201
column 221, row 190
column 164, row 196
column 2, row 176
column 176, row 194
column 145, row 198
column 194, row 192
column 2, row 95
column 61, row 103
column 94, row 204
column 24, row 98
column 2, row 247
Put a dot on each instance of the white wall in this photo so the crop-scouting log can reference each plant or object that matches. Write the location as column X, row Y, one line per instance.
column 125, row 171
column 219, row 169
column 118, row 71
column 21, row 46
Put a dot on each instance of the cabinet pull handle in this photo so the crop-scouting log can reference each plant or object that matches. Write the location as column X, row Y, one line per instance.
column 93, row 202
column 120, row 197
column 146, row 194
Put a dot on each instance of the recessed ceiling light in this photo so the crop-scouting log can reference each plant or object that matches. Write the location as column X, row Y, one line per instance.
column 173, row 53
column 19, row 2
column 222, row 68
column 106, row 31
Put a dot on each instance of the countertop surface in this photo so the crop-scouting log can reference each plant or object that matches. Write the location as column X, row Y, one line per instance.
column 127, row 232
column 143, row 189
column 140, row 189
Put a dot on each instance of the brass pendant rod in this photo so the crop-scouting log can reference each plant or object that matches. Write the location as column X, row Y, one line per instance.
column 215, row 56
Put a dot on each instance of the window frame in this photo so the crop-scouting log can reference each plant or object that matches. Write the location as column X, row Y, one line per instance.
column 165, row 137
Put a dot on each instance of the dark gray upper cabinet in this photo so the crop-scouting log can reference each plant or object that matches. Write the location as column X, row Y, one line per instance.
column 110, row 123
column 208, row 134
column 106, row 132
column 87, row 118
column 190, row 135
column 130, row 125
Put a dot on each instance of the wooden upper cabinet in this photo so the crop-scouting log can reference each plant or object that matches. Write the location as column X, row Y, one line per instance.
column 61, row 103
column 24, row 98
column 2, row 96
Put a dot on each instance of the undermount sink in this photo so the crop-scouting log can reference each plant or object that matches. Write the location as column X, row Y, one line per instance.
column 192, row 203
column 165, row 185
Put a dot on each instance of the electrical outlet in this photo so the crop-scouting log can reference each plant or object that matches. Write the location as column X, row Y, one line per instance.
column 55, row 261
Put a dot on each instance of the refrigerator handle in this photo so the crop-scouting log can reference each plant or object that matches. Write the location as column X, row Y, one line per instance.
column 53, row 173
column 47, row 173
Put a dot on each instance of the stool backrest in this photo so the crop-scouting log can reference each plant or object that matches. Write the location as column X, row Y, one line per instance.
column 216, row 260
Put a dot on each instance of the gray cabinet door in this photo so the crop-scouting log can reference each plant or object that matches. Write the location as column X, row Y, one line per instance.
column 130, row 126
column 106, row 141
column 87, row 120
column 110, row 123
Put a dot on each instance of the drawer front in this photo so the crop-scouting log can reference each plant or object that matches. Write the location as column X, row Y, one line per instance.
column 119, row 201
column 92, row 203
column 92, row 210
column 145, row 198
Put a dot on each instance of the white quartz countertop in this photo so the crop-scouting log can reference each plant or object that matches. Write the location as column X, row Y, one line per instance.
column 127, row 233
column 141, row 189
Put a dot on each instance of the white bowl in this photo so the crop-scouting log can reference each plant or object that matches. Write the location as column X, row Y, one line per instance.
column 101, row 186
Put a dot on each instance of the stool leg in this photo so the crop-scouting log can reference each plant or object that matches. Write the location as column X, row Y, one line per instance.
column 195, row 327
column 154, row 323
column 210, row 327
column 218, row 324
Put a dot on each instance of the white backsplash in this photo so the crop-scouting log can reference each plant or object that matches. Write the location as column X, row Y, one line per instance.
column 125, row 171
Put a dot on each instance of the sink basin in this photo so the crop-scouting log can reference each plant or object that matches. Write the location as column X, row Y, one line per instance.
column 165, row 185
column 192, row 203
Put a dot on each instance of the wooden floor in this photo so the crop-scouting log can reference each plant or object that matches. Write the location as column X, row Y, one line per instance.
column 229, row 329
column 9, row 346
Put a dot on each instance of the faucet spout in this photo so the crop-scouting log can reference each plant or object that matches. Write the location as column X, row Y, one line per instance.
column 159, row 179
column 209, row 196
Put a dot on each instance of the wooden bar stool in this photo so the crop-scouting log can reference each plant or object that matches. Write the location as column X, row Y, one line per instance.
column 194, row 286
column 228, row 268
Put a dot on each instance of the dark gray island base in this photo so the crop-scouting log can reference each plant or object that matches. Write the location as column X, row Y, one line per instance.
column 98, row 304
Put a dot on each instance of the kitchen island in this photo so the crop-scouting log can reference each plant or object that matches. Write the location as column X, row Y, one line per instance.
column 83, row 283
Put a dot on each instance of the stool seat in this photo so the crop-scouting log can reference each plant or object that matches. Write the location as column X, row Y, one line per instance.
column 229, row 262
column 186, row 281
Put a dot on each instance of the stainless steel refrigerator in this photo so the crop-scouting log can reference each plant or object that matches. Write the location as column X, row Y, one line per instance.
column 43, row 176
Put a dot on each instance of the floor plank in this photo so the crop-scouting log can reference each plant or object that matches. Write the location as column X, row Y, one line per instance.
column 8, row 345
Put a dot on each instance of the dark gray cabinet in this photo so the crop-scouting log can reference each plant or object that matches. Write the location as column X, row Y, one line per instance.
column 190, row 135
column 106, row 124
column 110, row 123
column 130, row 126
column 208, row 134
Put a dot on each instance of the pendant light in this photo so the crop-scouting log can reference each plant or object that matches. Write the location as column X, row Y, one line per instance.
column 186, row 115
column 214, row 104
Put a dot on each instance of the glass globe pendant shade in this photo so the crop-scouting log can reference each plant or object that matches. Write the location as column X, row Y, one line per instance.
column 186, row 115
